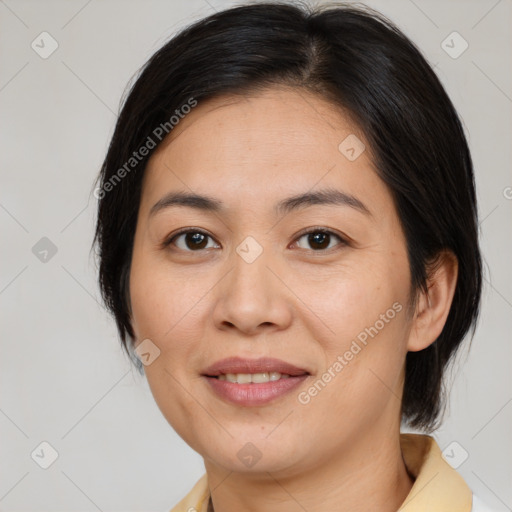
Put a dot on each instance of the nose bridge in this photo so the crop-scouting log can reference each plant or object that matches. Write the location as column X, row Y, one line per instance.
column 250, row 275
column 249, row 296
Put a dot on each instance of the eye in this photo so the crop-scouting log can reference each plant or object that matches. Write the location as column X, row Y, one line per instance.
column 190, row 240
column 194, row 240
column 320, row 239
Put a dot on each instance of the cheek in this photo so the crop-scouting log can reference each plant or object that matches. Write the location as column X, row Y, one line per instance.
column 169, row 307
column 363, row 311
column 355, row 300
column 362, row 378
column 163, row 300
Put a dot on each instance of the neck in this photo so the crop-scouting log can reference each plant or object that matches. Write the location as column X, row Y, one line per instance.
column 366, row 473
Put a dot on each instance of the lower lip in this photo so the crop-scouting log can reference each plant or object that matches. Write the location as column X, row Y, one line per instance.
column 254, row 394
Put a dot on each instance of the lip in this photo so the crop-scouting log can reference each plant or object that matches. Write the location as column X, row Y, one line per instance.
column 261, row 365
column 253, row 394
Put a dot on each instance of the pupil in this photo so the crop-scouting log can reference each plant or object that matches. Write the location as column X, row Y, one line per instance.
column 318, row 238
column 197, row 239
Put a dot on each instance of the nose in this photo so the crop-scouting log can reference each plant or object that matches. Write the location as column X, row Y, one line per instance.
column 253, row 297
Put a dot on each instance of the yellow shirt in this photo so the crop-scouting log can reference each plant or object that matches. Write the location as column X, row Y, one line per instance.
column 437, row 486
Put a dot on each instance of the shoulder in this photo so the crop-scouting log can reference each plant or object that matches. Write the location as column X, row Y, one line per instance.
column 480, row 505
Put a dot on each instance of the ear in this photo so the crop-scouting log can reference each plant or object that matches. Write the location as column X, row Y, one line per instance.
column 433, row 306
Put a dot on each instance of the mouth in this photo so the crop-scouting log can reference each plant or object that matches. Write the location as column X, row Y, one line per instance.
column 247, row 382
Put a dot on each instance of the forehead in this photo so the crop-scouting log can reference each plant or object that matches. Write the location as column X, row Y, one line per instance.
column 261, row 147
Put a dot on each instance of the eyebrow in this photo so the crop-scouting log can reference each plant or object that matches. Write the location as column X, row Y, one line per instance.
column 210, row 204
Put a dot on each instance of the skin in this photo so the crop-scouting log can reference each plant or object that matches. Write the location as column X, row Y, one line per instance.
column 341, row 450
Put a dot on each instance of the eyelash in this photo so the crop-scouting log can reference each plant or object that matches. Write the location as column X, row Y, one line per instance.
column 343, row 242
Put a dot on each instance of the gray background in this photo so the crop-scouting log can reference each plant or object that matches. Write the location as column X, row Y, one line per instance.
column 64, row 378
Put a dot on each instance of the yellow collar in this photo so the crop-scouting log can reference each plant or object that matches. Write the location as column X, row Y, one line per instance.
column 437, row 485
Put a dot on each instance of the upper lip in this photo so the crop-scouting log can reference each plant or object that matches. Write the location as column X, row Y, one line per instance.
column 261, row 365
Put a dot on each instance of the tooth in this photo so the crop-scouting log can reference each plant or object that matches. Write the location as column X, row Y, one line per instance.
column 244, row 378
column 256, row 378
column 260, row 377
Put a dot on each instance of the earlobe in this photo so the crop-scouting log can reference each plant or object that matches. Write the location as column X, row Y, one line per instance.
column 433, row 305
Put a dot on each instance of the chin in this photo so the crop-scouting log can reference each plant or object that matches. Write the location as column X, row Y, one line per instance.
column 254, row 455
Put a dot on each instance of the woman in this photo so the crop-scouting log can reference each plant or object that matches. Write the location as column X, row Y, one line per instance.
column 287, row 235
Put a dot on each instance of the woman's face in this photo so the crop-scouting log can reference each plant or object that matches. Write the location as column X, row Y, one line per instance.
column 247, row 282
